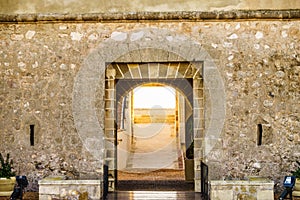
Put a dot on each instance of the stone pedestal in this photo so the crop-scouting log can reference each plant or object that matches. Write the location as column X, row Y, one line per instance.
column 253, row 188
column 57, row 188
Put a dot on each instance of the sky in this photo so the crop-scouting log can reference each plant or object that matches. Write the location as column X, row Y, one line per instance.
column 149, row 97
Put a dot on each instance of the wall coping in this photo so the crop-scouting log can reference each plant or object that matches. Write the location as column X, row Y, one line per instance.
column 237, row 182
column 153, row 16
column 262, row 181
column 69, row 182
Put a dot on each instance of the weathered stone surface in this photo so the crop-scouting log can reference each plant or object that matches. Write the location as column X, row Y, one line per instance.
column 259, row 189
column 55, row 188
column 258, row 62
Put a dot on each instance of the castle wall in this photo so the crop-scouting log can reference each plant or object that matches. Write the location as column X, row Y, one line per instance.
column 258, row 60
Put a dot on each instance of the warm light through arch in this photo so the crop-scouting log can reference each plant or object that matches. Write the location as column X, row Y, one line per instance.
column 154, row 96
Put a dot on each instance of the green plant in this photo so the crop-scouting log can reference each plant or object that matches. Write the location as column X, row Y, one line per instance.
column 297, row 171
column 6, row 170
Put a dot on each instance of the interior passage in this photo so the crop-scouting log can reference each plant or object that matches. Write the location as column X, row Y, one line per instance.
column 155, row 147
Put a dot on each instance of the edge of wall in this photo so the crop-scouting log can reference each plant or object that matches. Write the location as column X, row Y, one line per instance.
column 146, row 16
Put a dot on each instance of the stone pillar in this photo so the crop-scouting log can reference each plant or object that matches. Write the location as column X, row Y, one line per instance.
column 110, row 127
column 198, row 112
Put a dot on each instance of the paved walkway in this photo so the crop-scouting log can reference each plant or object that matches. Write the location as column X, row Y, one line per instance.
column 156, row 147
column 154, row 169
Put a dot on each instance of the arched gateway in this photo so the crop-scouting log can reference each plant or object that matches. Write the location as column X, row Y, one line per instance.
column 94, row 101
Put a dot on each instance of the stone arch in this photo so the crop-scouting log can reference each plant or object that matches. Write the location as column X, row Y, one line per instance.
column 146, row 45
column 182, row 85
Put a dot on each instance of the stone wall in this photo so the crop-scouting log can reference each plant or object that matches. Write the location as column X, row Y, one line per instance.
column 152, row 115
column 258, row 60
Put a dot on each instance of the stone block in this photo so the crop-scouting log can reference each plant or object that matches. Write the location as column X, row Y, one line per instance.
column 246, row 196
column 197, row 175
column 49, row 190
column 243, row 189
column 163, row 55
column 197, row 185
column 63, row 187
column 221, row 195
column 44, row 197
column 265, row 195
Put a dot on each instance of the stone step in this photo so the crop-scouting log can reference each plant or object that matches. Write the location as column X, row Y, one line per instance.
column 154, row 195
column 156, row 185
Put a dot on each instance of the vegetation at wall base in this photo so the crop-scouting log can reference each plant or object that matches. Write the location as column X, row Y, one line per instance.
column 6, row 170
column 296, row 173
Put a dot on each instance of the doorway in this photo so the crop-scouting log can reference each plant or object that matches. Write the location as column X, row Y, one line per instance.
column 137, row 131
column 149, row 128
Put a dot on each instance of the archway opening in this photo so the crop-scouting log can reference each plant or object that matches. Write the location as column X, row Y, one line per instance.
column 151, row 133
column 154, row 128
column 121, row 80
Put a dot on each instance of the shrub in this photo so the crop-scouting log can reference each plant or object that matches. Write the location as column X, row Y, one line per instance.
column 297, row 171
column 6, row 170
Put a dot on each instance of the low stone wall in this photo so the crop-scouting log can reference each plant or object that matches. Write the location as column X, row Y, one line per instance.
column 251, row 189
column 57, row 188
column 152, row 115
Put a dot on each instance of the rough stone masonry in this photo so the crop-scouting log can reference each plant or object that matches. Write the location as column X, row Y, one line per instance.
column 258, row 60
